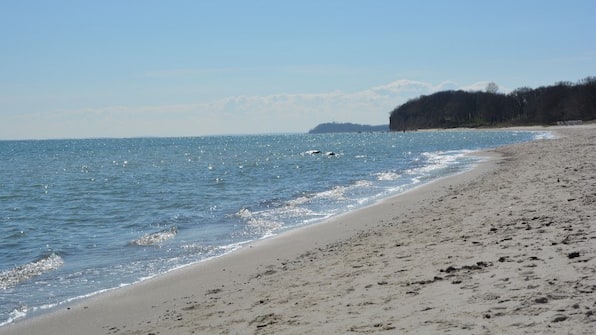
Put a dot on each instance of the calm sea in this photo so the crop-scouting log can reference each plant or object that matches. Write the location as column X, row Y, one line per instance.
column 79, row 217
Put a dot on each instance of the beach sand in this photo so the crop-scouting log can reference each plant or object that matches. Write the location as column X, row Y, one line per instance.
column 507, row 248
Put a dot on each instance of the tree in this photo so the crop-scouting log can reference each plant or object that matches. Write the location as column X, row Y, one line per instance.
column 544, row 105
column 492, row 88
column 522, row 97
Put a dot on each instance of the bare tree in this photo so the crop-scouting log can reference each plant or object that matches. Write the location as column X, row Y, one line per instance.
column 492, row 87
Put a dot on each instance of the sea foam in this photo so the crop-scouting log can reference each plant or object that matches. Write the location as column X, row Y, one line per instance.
column 26, row 271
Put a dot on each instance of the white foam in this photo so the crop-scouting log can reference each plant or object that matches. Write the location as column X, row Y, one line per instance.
column 23, row 272
column 156, row 238
column 362, row 183
column 544, row 135
column 262, row 223
column 311, row 152
column 336, row 193
column 17, row 313
column 387, row 176
column 438, row 160
column 244, row 213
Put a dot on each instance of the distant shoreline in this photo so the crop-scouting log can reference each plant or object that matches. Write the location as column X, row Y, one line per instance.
column 334, row 127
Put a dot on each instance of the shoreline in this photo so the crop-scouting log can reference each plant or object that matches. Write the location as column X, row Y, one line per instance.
column 49, row 309
column 255, row 250
column 281, row 284
column 485, row 155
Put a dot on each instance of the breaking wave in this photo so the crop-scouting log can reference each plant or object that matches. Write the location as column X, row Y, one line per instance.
column 156, row 238
column 23, row 272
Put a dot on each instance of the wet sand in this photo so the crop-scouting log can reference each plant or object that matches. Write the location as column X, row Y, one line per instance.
column 507, row 248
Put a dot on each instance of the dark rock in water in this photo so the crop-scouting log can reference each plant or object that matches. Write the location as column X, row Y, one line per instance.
column 478, row 266
column 316, row 152
column 449, row 269
column 560, row 318
column 312, row 152
column 574, row 254
column 542, row 300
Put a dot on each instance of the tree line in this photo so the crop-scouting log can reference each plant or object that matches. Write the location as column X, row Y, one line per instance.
column 564, row 101
column 334, row 127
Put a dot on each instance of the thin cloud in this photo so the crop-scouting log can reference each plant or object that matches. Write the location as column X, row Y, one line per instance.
column 233, row 115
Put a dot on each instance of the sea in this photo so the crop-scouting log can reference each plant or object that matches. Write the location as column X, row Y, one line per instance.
column 80, row 217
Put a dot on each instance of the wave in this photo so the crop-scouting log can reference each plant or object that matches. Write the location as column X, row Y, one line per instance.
column 437, row 160
column 17, row 313
column 544, row 135
column 263, row 223
column 156, row 238
column 279, row 215
column 20, row 273
column 335, row 194
column 387, row 176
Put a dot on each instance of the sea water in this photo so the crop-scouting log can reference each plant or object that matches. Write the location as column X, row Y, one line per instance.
column 78, row 217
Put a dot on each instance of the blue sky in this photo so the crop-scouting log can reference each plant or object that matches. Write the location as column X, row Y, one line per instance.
column 71, row 69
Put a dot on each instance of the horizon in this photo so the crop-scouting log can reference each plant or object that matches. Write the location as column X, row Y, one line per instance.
column 141, row 69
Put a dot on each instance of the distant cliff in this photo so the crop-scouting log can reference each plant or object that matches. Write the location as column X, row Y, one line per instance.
column 347, row 128
column 560, row 103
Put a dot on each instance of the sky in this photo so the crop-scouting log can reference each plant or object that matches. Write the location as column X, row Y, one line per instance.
column 126, row 68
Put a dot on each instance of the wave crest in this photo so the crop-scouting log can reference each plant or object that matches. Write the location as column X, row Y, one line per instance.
column 23, row 272
column 156, row 238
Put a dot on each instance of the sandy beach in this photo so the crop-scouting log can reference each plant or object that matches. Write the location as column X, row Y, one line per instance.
column 507, row 248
